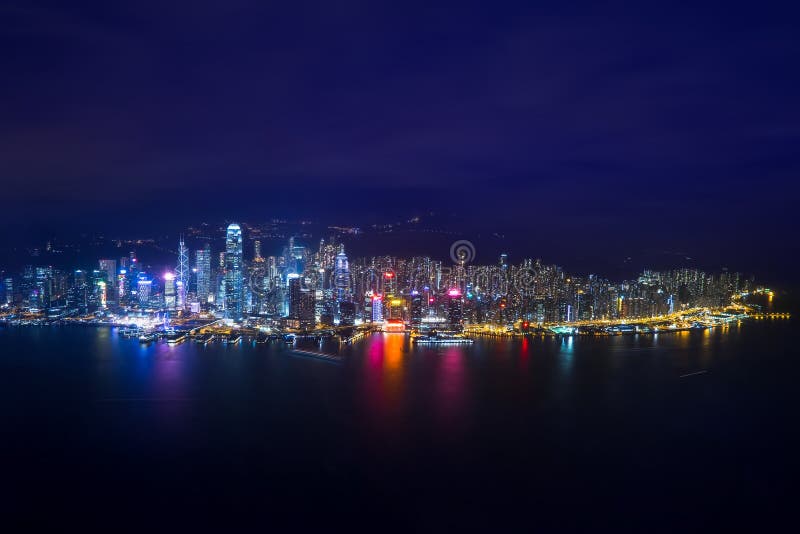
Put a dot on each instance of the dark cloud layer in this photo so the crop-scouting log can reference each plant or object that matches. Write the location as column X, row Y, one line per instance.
column 646, row 119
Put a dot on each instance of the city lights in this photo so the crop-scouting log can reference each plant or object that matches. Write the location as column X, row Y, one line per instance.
column 305, row 289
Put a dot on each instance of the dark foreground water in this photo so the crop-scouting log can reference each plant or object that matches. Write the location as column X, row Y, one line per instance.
column 538, row 434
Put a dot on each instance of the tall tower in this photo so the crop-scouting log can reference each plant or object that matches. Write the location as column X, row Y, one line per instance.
column 377, row 308
column 234, row 273
column 202, row 265
column 110, row 268
column 169, row 290
column 182, row 274
column 455, row 310
column 342, row 276
column 143, row 286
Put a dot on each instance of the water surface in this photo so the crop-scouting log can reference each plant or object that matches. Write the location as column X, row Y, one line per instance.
column 655, row 432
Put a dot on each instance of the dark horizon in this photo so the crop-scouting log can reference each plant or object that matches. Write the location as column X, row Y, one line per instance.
column 432, row 236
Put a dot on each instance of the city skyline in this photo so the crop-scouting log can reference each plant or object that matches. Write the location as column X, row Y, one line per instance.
column 306, row 287
column 462, row 266
column 427, row 235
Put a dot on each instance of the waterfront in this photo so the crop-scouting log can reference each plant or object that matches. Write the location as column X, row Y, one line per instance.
column 557, row 431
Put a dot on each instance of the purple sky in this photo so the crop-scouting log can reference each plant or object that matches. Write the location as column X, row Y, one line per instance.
column 671, row 123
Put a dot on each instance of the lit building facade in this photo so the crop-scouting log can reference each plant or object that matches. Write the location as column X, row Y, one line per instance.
column 234, row 273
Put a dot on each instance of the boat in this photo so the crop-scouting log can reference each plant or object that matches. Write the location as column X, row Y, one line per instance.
column 204, row 338
column 129, row 332
column 174, row 339
column 438, row 338
column 146, row 338
column 232, row 339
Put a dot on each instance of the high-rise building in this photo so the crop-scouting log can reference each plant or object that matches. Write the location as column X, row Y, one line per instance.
column 341, row 275
column 234, row 273
column 416, row 309
column 44, row 287
column 202, row 264
column 182, row 275
column 110, row 267
column 272, row 268
column 455, row 310
column 78, row 297
column 143, row 285
column 377, row 308
column 9, row 290
column 347, row 313
column 301, row 303
column 123, row 286
column 99, row 296
column 169, row 291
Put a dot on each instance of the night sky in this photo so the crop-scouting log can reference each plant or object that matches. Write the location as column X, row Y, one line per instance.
column 674, row 126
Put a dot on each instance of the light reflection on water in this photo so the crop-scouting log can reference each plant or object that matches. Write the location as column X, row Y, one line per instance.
column 384, row 369
column 525, row 355
column 392, row 377
column 450, row 382
column 410, row 425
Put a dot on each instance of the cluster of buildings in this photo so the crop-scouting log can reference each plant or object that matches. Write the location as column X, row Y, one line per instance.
column 304, row 288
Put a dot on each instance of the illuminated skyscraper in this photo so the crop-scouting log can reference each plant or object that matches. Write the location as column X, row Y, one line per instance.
column 455, row 310
column 9, row 291
column 342, row 277
column 203, row 266
column 123, row 284
column 78, row 296
column 110, row 267
column 416, row 309
column 44, row 287
column 295, row 288
column 143, row 285
column 182, row 274
column 234, row 273
column 301, row 303
column 377, row 308
column 169, row 290
column 100, row 291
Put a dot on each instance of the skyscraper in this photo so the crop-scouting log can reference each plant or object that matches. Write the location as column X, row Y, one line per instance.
column 110, row 267
column 347, row 313
column 202, row 259
column 416, row 309
column 9, row 287
column 182, row 274
column 301, row 303
column 78, row 294
column 234, row 273
column 44, row 287
column 377, row 308
column 455, row 310
column 123, row 286
column 169, row 290
column 100, row 291
column 342, row 276
column 143, row 285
